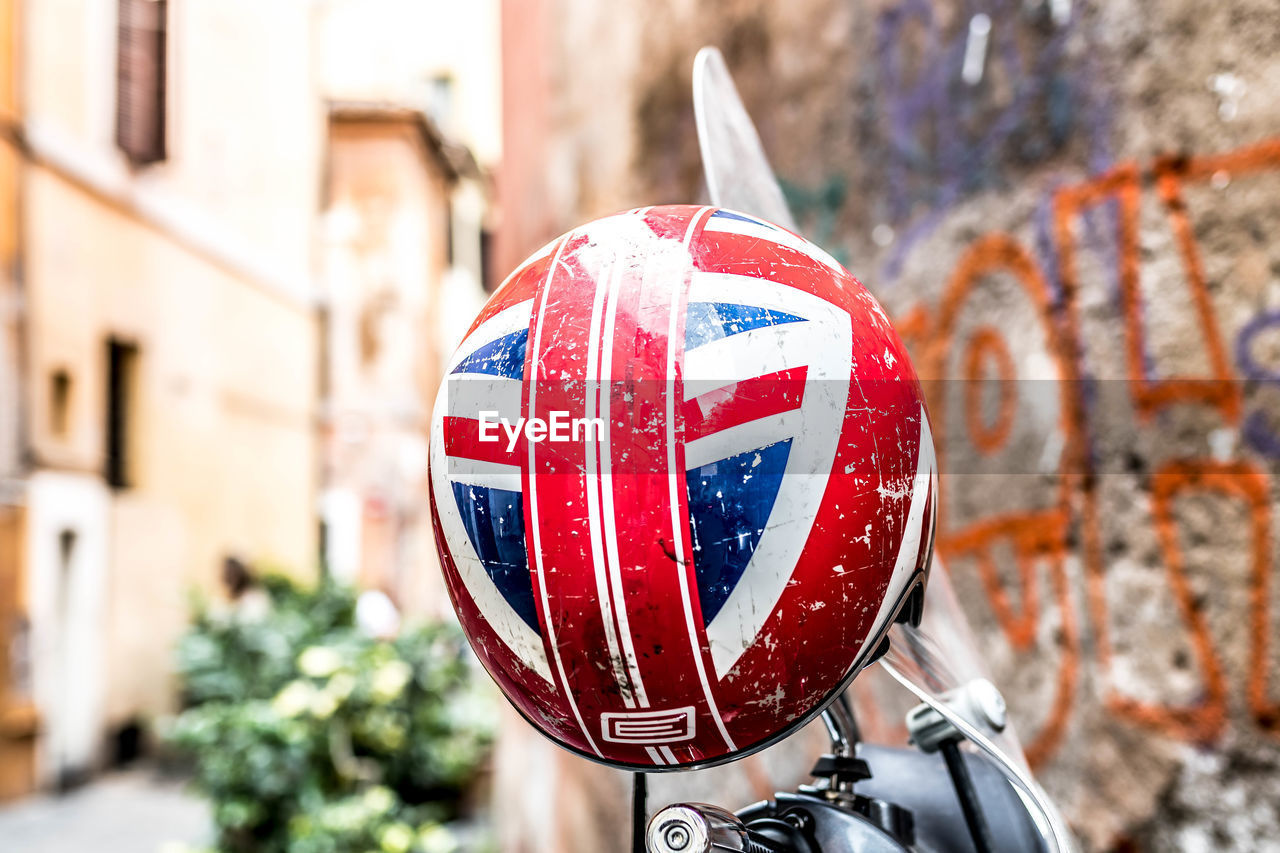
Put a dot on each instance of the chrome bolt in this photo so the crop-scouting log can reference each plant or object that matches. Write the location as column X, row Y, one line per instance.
column 676, row 836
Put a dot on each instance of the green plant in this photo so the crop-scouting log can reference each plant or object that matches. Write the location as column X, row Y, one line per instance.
column 310, row 737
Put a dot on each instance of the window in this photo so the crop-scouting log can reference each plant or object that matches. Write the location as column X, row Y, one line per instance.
column 60, row 403
column 486, row 261
column 448, row 231
column 122, row 368
column 140, row 79
column 66, row 550
column 440, row 101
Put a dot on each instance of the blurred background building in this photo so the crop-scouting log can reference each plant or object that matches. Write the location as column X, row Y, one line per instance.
column 235, row 242
column 238, row 241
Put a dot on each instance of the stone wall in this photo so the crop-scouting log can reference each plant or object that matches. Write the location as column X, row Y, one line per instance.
column 1081, row 249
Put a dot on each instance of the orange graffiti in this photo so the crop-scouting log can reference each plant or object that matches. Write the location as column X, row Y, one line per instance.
column 1037, row 536
column 1205, row 720
column 1033, row 536
column 1043, row 538
column 986, row 345
column 1170, row 175
column 1149, row 395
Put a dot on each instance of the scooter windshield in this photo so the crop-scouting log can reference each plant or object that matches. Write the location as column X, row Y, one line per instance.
column 938, row 663
column 737, row 171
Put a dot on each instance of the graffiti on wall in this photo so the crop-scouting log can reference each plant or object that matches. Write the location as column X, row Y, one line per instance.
column 949, row 136
column 1071, row 525
column 1049, row 569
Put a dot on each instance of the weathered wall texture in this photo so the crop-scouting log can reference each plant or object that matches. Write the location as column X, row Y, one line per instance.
column 383, row 266
column 1094, row 223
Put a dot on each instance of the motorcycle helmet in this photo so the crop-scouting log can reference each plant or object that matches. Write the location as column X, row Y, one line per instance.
column 682, row 483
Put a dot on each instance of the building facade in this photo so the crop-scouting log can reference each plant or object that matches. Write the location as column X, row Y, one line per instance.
column 390, row 180
column 17, row 712
column 176, row 317
column 414, row 132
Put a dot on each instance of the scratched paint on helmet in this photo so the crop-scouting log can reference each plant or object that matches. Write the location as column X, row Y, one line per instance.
column 700, row 576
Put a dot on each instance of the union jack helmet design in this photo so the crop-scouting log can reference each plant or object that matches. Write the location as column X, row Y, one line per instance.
column 682, row 483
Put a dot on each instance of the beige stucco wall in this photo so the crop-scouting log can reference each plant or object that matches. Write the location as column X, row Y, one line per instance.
column 225, row 460
column 216, row 263
column 203, row 262
column 17, row 752
column 245, row 127
column 10, row 229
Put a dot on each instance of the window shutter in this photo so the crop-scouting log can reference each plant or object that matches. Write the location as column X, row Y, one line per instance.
column 140, row 80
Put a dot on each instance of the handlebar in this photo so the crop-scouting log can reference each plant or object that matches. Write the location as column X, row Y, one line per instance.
column 700, row 828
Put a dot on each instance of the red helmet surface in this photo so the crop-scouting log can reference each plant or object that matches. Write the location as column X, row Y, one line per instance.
column 682, row 482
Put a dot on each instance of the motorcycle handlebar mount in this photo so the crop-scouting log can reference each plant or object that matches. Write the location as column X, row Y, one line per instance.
column 700, row 828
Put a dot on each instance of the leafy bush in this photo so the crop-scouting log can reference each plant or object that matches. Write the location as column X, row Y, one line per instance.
column 310, row 737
